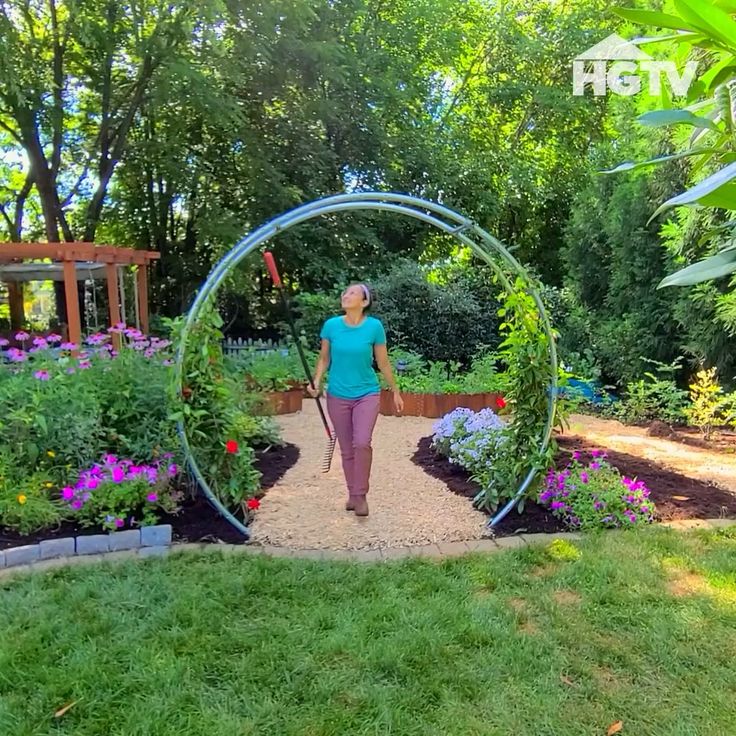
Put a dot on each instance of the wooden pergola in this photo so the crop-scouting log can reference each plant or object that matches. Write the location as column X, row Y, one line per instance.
column 71, row 254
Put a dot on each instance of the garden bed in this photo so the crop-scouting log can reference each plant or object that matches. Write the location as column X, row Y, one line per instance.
column 676, row 496
column 196, row 521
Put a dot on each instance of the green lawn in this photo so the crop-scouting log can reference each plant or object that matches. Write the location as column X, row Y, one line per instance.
column 560, row 641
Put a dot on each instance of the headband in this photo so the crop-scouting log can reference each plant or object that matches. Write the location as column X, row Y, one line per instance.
column 366, row 292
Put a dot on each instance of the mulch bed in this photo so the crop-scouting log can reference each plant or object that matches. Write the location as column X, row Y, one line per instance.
column 676, row 496
column 196, row 521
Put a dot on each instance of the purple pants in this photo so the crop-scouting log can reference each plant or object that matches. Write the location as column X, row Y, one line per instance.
column 354, row 420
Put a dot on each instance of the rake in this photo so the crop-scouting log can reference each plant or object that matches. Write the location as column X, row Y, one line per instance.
column 331, row 437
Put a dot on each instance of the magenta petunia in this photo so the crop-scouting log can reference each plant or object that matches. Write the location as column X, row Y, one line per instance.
column 119, row 523
column 152, row 497
column 118, row 474
column 67, row 493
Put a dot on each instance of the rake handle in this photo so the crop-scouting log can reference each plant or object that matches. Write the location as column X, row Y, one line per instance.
column 271, row 265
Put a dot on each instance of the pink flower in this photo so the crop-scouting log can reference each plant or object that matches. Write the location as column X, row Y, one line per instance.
column 17, row 356
column 84, row 364
column 67, row 493
column 168, row 363
column 4, row 342
column 173, row 469
column 69, row 346
column 152, row 497
column 118, row 328
column 119, row 523
column 584, row 477
column 118, row 474
column 97, row 339
column 40, row 342
column 92, row 483
column 76, row 505
column 22, row 336
column 41, row 375
column 53, row 338
column 576, row 455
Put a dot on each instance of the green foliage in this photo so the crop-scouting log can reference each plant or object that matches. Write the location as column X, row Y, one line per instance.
column 711, row 38
column 525, row 352
column 441, row 322
column 27, row 501
column 654, row 397
column 706, row 402
column 272, row 370
column 215, row 410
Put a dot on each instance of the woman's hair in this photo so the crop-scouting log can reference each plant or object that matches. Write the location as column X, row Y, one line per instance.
column 368, row 293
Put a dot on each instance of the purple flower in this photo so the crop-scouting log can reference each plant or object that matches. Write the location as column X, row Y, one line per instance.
column 40, row 342
column 76, row 505
column 22, row 336
column 173, row 469
column 84, row 365
column 92, row 484
column 557, row 505
column 576, row 455
column 584, row 477
column 53, row 338
column 118, row 474
column 119, row 523
column 596, row 453
column 17, row 356
column 67, row 493
column 598, row 505
column 595, row 466
column 41, row 375
column 4, row 342
column 71, row 370
column 69, row 346
column 152, row 497
column 168, row 363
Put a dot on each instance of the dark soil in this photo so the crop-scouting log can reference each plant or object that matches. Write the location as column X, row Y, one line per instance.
column 724, row 440
column 676, row 496
column 196, row 520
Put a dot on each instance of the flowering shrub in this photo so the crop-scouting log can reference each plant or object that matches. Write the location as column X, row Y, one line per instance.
column 468, row 438
column 478, row 442
column 594, row 495
column 119, row 493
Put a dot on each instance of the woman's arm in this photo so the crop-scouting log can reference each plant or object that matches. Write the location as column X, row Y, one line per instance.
column 384, row 364
column 323, row 363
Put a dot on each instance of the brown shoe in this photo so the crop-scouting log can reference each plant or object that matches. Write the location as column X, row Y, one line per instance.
column 350, row 504
column 360, row 506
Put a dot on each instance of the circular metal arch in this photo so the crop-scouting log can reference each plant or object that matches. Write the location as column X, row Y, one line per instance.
column 463, row 229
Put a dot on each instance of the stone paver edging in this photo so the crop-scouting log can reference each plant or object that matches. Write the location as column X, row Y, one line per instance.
column 442, row 550
column 146, row 538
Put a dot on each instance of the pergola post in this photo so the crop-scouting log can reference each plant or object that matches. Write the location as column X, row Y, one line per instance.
column 72, row 302
column 141, row 282
column 15, row 301
column 113, row 299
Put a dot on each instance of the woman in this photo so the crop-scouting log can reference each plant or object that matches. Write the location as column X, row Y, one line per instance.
column 349, row 344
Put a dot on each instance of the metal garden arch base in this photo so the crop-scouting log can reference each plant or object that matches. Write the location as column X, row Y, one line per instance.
column 453, row 223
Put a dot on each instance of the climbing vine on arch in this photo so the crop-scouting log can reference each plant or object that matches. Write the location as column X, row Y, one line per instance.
column 525, row 351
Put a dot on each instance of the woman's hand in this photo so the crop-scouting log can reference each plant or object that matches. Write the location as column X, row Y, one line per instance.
column 314, row 391
column 398, row 401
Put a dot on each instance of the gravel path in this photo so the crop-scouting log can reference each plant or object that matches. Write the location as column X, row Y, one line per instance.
column 305, row 509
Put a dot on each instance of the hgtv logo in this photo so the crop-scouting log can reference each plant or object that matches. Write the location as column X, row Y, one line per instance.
column 620, row 66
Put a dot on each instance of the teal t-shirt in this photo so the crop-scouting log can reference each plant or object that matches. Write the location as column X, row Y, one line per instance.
column 351, row 373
